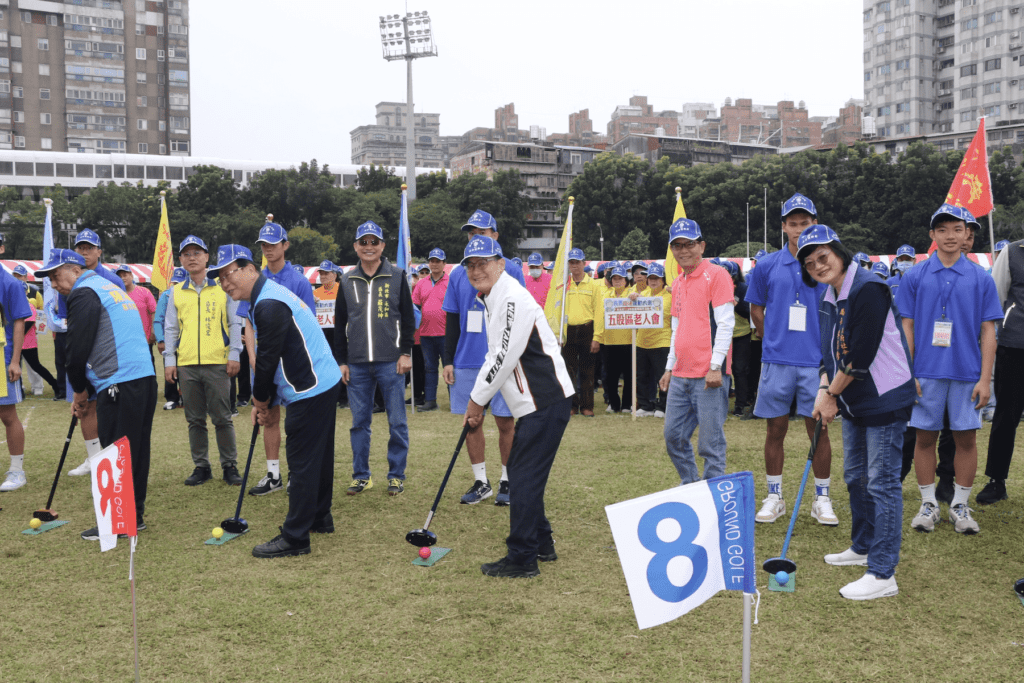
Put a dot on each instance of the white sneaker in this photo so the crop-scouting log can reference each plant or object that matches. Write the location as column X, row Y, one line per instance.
column 821, row 510
column 926, row 518
column 659, row 413
column 847, row 558
column 609, row 410
column 81, row 470
column 14, row 481
column 869, row 587
column 963, row 523
column 626, row 411
column 772, row 508
column 644, row 413
column 170, row 405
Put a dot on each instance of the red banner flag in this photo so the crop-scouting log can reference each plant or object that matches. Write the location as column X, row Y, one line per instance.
column 113, row 493
column 972, row 186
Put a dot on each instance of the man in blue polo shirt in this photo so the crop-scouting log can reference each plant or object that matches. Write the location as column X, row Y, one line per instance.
column 16, row 310
column 273, row 240
column 948, row 304
column 465, row 348
column 785, row 309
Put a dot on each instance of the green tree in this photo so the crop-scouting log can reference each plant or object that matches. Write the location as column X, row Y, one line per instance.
column 374, row 178
column 436, row 222
column 308, row 247
column 635, row 245
column 502, row 196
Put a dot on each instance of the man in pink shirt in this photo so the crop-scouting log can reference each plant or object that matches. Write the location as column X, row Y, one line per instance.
column 538, row 281
column 428, row 295
column 693, row 372
column 144, row 301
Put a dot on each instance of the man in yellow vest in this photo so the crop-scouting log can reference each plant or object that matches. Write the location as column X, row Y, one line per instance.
column 202, row 343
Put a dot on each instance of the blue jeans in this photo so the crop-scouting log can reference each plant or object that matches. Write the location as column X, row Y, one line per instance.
column 363, row 381
column 688, row 405
column 873, row 456
column 432, row 348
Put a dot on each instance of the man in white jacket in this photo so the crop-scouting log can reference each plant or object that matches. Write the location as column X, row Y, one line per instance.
column 525, row 363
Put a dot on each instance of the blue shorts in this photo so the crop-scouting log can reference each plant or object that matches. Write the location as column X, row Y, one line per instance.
column 275, row 400
column 939, row 396
column 14, row 394
column 780, row 384
column 465, row 379
column 69, row 392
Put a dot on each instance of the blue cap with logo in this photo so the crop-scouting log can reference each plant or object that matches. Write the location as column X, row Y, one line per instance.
column 1002, row 244
column 862, row 258
column 179, row 274
column 299, row 269
column 761, row 253
column 601, row 268
column 638, row 265
column 424, row 268
column 328, row 266
column 906, row 250
column 620, row 271
column 436, row 253
column 481, row 247
column 87, row 236
column 550, row 266
column 798, row 202
column 518, row 261
column 957, row 213
column 481, row 219
column 59, row 257
column 628, row 265
column 684, row 228
column 730, row 266
column 656, row 270
column 229, row 253
column 588, row 269
column 123, row 268
column 20, row 270
column 576, row 254
column 535, row 259
column 812, row 237
column 190, row 240
column 272, row 233
column 880, row 269
column 369, row 228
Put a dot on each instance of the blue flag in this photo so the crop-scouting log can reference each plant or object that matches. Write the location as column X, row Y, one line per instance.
column 404, row 259
column 49, row 296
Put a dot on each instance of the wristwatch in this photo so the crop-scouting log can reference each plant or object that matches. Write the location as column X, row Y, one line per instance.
column 715, row 367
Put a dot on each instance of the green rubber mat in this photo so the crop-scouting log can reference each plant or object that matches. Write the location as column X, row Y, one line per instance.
column 47, row 526
column 790, row 586
column 228, row 536
column 435, row 555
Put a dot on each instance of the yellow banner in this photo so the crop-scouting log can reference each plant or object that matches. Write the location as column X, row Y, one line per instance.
column 671, row 267
column 163, row 255
column 554, row 308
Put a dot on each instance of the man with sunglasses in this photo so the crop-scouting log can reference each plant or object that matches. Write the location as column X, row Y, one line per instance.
column 374, row 306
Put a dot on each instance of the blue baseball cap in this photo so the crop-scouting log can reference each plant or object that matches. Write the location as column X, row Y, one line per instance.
column 620, row 271
column 179, row 274
column 481, row 247
column 601, row 268
column 229, row 253
column 423, row 267
column 880, row 269
column 436, row 253
column 684, row 228
column 760, row 254
column 861, row 257
column 656, row 270
column 481, row 219
column 328, row 266
column 299, row 269
column 812, row 237
column 798, row 202
column 190, row 240
column 576, row 255
column 730, row 266
column 1002, row 244
column 611, row 265
column 957, row 213
column 518, row 261
column 550, row 266
column 271, row 233
column 123, row 268
column 535, row 259
column 906, row 250
column 638, row 264
column 58, row 258
column 369, row 228
column 87, row 236
column 628, row 265
column 588, row 269
column 20, row 270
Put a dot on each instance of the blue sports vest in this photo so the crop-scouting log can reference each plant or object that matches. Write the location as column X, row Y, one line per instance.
column 307, row 369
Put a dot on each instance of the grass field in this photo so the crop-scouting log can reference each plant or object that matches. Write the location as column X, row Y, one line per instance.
column 357, row 609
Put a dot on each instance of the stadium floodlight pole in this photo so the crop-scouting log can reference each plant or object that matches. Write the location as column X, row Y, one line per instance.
column 408, row 38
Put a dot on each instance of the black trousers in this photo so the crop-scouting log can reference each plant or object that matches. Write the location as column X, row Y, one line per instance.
column 1009, row 408
column 342, row 387
column 309, row 446
column 536, row 441
column 618, row 363
column 741, row 371
column 753, row 371
column 128, row 412
column 59, row 358
column 419, row 374
column 650, row 366
column 31, row 357
column 579, row 361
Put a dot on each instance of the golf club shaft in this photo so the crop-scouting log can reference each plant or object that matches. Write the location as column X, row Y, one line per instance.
column 803, row 483
column 444, row 482
column 60, row 465
column 245, row 477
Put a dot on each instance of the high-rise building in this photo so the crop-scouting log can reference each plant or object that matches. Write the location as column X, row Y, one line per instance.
column 639, row 117
column 935, row 66
column 384, row 142
column 95, row 76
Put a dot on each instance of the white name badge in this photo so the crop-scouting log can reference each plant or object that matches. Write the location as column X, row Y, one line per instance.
column 797, row 318
column 475, row 321
column 942, row 335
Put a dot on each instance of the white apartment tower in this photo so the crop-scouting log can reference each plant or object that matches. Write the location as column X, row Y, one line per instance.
column 935, row 66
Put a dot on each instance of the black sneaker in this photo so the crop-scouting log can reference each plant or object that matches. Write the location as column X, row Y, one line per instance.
column 231, row 476
column 241, row 404
column 426, row 407
column 324, row 526
column 60, row 397
column 505, row 568
column 547, row 554
column 198, row 476
column 502, row 499
column 279, row 546
column 944, row 491
column 479, row 491
column 267, row 484
column 994, row 491
column 92, row 534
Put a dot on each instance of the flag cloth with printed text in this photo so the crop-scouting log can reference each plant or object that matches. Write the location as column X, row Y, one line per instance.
column 404, row 257
column 163, row 255
column 554, row 307
column 972, row 186
column 49, row 296
column 113, row 493
column 671, row 267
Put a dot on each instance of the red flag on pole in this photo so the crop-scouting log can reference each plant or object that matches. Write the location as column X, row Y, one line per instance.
column 113, row 493
column 972, row 186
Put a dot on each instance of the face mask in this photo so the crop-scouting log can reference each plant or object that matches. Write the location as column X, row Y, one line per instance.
column 904, row 266
column 535, row 272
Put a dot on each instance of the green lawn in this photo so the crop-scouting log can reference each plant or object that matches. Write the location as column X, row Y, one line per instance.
column 357, row 609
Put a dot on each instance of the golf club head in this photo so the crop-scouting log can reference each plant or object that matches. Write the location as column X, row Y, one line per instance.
column 421, row 538
column 45, row 515
column 234, row 526
column 779, row 564
column 1019, row 587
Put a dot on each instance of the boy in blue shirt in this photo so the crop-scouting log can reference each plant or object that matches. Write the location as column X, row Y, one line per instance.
column 16, row 310
column 948, row 304
column 785, row 310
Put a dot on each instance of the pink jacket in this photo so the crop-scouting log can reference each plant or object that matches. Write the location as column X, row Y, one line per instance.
column 539, row 287
column 429, row 297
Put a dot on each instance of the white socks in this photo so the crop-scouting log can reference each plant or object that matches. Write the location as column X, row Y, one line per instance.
column 928, row 494
column 960, row 494
column 92, row 447
column 17, row 463
column 504, row 473
column 821, row 486
column 274, row 468
column 480, row 471
column 774, row 485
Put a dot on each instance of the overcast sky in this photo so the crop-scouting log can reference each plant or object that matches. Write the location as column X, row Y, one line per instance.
column 288, row 81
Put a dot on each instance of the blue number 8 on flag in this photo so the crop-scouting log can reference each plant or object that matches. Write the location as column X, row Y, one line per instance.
column 666, row 551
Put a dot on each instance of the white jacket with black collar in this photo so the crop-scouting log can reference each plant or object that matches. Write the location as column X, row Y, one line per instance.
column 523, row 358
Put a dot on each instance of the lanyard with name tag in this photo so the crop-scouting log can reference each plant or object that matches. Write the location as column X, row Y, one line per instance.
column 798, row 318
column 942, row 333
column 475, row 321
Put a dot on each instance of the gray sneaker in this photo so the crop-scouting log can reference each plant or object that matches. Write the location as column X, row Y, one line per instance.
column 926, row 518
column 963, row 523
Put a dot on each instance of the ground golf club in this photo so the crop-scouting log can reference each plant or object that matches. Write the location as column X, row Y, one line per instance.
column 237, row 525
column 46, row 514
column 422, row 538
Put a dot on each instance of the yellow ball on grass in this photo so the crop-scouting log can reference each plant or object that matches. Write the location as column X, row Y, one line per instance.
column 35, row 523
column 217, row 532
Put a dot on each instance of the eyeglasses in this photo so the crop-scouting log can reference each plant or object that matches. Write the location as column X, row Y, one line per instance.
column 477, row 264
column 815, row 264
column 225, row 275
column 370, row 243
column 685, row 245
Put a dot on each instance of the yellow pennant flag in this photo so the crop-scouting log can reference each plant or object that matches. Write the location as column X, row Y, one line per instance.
column 163, row 255
column 554, row 308
column 671, row 267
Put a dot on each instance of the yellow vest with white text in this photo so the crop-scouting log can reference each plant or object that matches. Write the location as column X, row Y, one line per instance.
column 202, row 324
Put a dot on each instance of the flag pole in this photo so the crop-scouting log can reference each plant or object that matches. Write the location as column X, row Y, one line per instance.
column 991, row 240
column 135, row 622
column 748, row 229
column 766, row 218
column 748, row 600
column 565, row 272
